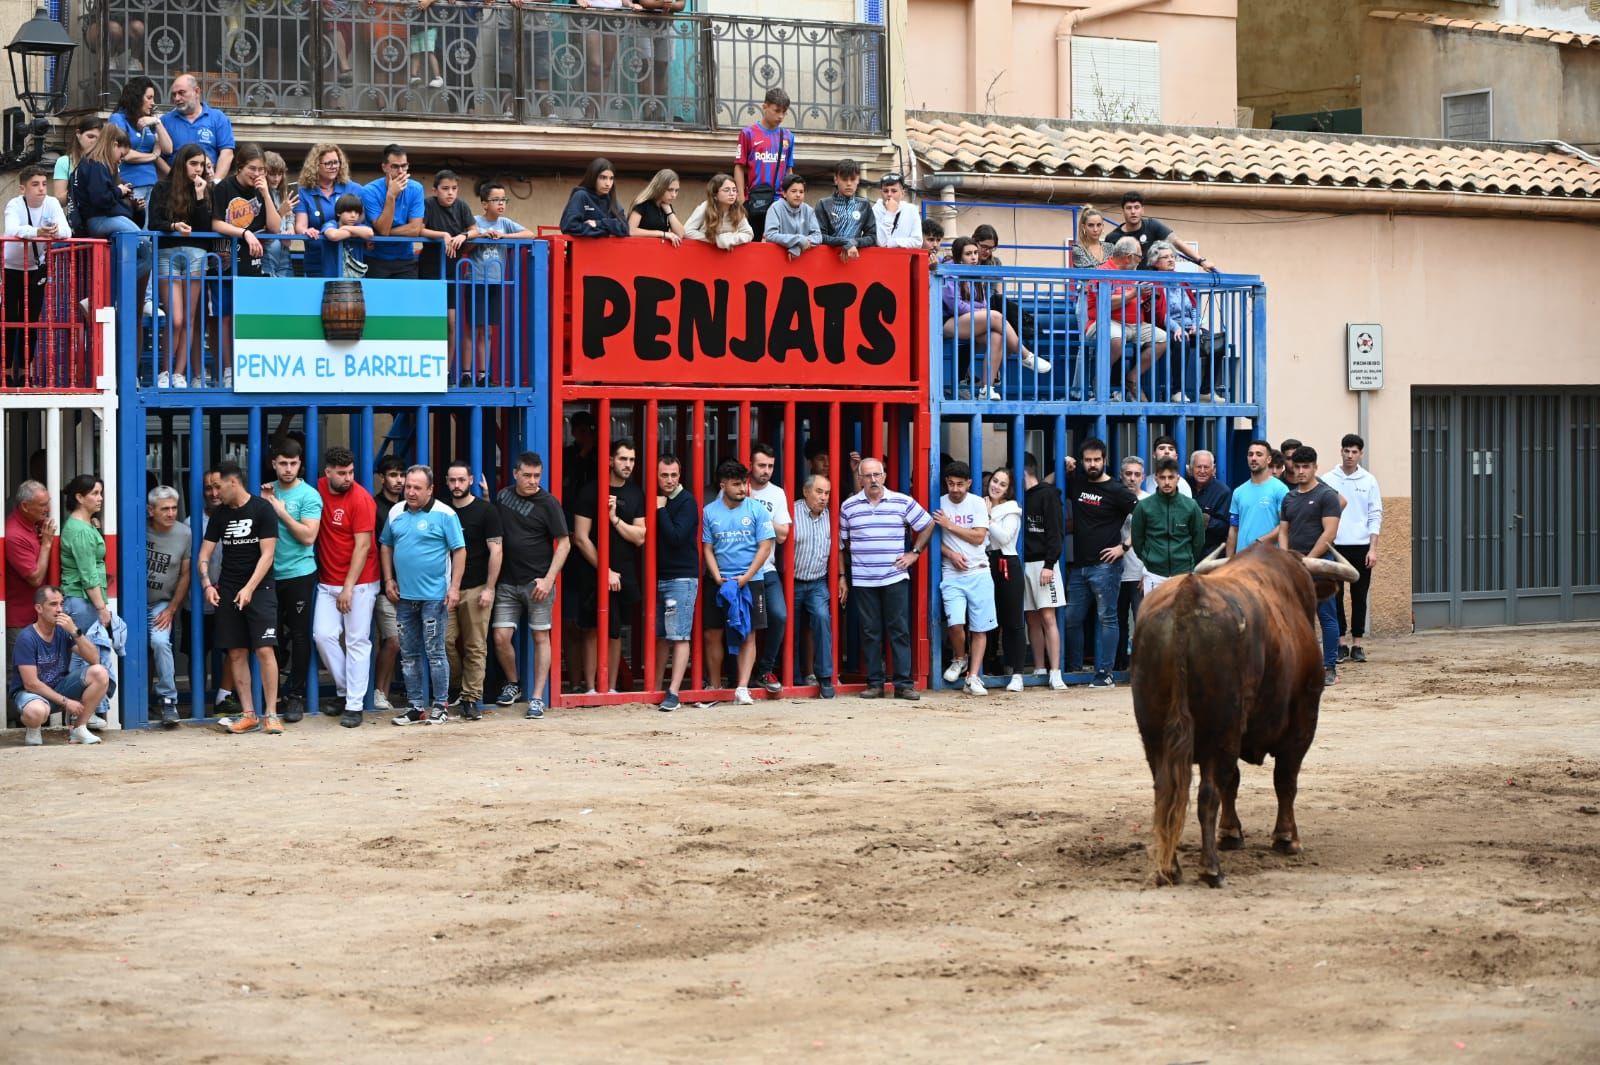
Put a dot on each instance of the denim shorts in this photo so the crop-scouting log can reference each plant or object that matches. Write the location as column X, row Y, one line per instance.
column 675, row 608
column 511, row 601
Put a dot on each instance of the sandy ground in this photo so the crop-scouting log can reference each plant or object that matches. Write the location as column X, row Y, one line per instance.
column 953, row 880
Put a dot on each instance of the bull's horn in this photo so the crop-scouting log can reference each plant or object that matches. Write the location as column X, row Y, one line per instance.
column 1211, row 561
column 1337, row 570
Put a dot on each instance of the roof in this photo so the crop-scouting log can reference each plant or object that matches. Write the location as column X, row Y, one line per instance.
column 1054, row 148
column 1533, row 34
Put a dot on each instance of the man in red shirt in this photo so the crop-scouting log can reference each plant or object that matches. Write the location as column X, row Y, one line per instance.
column 29, row 537
column 347, row 580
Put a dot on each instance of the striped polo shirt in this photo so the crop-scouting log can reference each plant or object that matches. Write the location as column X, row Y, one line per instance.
column 813, row 542
column 877, row 536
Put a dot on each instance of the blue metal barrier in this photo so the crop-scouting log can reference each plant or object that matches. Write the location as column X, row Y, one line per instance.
column 171, row 436
column 1117, row 371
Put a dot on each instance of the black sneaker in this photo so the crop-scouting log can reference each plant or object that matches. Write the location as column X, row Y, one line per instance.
column 910, row 694
column 1330, row 677
column 294, row 710
column 472, row 710
column 1357, row 654
column 511, row 693
column 454, row 702
column 872, row 691
column 1344, row 654
column 169, row 713
column 825, row 688
column 1102, row 680
column 769, row 680
column 670, row 703
column 437, row 715
column 351, row 719
column 415, row 716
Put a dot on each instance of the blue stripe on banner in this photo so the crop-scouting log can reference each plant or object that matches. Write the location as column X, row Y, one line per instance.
column 303, row 295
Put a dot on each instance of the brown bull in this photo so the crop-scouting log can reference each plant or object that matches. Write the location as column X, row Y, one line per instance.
column 1227, row 664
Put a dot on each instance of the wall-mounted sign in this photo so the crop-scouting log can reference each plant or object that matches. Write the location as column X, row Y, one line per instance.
column 644, row 312
column 1363, row 356
column 293, row 334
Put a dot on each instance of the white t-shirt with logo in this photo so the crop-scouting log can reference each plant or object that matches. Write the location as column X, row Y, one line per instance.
column 775, row 502
column 970, row 513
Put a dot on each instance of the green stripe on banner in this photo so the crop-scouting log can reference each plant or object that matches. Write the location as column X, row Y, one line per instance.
column 309, row 327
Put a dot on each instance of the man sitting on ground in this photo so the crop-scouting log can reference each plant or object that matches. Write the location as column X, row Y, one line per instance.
column 56, row 667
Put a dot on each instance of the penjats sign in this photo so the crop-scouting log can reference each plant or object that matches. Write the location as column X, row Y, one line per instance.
column 644, row 312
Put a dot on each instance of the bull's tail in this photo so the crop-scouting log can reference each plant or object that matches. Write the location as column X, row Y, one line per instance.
column 1173, row 768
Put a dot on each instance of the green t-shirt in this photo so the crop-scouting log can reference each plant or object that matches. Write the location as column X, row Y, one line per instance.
column 293, row 558
column 83, row 558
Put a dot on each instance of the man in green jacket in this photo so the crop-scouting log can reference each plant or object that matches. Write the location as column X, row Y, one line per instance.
column 1169, row 529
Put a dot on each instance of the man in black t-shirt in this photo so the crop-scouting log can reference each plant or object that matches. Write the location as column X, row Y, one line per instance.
column 1310, row 521
column 246, row 529
column 1100, row 504
column 536, row 547
column 1148, row 231
column 468, row 625
column 449, row 222
column 624, row 514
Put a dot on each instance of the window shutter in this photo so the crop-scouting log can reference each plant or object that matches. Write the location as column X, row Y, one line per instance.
column 1116, row 81
column 1467, row 116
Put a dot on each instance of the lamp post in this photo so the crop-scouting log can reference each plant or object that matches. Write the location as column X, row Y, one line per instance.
column 41, row 59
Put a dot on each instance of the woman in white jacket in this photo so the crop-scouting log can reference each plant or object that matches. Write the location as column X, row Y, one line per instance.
column 720, row 220
column 1005, row 524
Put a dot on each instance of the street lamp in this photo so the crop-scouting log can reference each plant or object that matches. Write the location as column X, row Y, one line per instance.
column 41, row 58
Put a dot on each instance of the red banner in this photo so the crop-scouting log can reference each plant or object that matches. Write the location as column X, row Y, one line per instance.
column 644, row 312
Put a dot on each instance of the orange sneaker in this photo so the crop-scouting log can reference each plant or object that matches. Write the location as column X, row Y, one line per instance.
column 274, row 725
column 238, row 726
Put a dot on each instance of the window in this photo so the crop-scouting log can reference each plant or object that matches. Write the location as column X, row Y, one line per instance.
column 1468, row 116
column 1116, row 81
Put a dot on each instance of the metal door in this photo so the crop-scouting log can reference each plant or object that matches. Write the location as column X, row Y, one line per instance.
column 1505, row 523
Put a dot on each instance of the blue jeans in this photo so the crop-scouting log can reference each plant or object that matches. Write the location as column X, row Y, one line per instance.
column 811, row 600
column 161, row 652
column 1103, row 582
column 777, row 618
column 883, row 608
column 107, row 225
column 422, row 624
column 1328, row 621
column 81, row 611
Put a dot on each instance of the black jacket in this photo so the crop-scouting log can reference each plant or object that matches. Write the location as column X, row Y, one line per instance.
column 678, row 538
column 1214, row 500
column 587, row 215
column 1042, row 525
column 847, row 221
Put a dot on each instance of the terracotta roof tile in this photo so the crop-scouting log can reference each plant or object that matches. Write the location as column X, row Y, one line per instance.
column 1560, row 38
column 1034, row 146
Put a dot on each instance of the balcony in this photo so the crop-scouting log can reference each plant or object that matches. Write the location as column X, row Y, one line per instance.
column 465, row 62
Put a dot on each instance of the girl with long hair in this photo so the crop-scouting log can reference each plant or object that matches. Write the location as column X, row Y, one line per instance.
column 1005, row 566
column 968, row 315
column 83, row 553
column 592, row 209
column 84, row 134
column 720, row 219
column 652, row 215
column 181, row 206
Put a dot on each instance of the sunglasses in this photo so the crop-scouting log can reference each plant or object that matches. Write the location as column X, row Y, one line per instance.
column 892, row 179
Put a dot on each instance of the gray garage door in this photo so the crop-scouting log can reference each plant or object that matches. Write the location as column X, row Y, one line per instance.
column 1505, row 506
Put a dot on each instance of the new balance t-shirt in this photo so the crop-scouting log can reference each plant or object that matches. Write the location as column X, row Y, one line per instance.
column 240, row 531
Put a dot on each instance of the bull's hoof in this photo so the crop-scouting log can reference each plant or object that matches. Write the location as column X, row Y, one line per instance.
column 1231, row 843
column 1286, row 846
column 1212, row 879
column 1165, row 878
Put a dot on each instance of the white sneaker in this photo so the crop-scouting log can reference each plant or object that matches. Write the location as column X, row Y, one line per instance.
column 435, row 83
column 227, row 379
column 958, row 667
column 993, row 393
column 1041, row 672
column 163, row 380
column 1056, row 682
column 1030, row 361
column 1180, row 397
column 975, row 686
column 179, row 381
column 741, row 697
column 1015, row 683
column 33, row 737
column 96, row 722
column 82, row 735
column 380, row 701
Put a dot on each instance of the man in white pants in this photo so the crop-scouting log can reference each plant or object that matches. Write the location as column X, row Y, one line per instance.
column 347, row 581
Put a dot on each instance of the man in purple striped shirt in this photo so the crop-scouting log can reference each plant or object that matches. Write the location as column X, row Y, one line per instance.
column 872, row 528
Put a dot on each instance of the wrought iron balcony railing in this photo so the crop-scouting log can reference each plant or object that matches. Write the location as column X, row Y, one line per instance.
column 465, row 60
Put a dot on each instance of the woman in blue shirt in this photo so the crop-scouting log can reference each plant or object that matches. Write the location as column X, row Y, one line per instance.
column 148, row 140
column 323, row 179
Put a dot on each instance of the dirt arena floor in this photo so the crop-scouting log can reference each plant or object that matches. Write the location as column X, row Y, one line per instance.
column 953, row 880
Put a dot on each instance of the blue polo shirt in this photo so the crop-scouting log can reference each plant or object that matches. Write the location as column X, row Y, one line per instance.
column 140, row 140
column 1256, row 509
column 409, row 205
column 422, row 542
column 210, row 129
column 735, row 533
column 318, row 211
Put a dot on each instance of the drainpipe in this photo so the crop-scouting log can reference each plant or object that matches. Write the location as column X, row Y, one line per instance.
column 1283, row 197
column 1572, row 149
column 1064, row 30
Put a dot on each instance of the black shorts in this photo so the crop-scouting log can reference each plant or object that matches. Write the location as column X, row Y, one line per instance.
column 620, row 603
column 714, row 616
column 481, row 305
column 253, row 627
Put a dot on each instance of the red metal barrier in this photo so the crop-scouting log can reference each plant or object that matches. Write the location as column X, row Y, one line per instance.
column 48, row 337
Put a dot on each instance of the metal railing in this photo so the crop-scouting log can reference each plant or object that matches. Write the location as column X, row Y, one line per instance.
column 1127, row 337
column 48, row 336
column 533, row 63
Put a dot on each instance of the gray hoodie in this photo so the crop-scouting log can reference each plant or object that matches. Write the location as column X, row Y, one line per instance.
column 792, row 226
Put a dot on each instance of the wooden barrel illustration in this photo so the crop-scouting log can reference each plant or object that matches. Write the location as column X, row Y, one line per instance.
column 344, row 310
